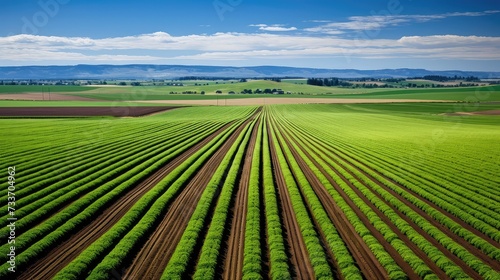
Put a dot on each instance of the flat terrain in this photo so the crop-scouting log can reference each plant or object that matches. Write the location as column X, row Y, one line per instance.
column 118, row 111
column 285, row 100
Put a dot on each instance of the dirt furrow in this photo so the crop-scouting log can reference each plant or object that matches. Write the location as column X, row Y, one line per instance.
column 300, row 262
column 57, row 258
column 469, row 247
column 154, row 255
column 233, row 267
column 365, row 258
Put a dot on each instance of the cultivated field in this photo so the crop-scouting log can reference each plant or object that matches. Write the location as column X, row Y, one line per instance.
column 307, row 191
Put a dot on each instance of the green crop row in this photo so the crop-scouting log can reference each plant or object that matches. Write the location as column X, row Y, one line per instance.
column 177, row 264
column 61, row 193
column 210, row 251
column 316, row 252
column 278, row 259
column 455, row 248
column 418, row 265
column 344, row 260
column 115, row 245
column 76, row 214
column 473, row 239
column 65, row 165
column 98, row 165
column 382, row 166
column 252, row 259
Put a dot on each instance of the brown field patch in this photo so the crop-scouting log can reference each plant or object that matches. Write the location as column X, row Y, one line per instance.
column 81, row 111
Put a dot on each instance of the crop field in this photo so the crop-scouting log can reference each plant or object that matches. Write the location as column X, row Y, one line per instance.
column 305, row 191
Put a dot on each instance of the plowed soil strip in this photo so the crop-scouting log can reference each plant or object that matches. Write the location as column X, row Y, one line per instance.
column 65, row 252
column 233, row 268
column 115, row 111
column 471, row 248
column 154, row 255
column 300, row 261
column 389, row 248
column 366, row 260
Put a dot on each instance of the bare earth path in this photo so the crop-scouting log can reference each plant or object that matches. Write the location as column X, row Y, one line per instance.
column 233, row 267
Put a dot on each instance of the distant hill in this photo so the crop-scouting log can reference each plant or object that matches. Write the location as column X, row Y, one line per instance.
column 144, row 71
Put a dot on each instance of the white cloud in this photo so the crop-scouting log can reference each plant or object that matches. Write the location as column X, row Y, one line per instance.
column 274, row 27
column 376, row 22
column 161, row 47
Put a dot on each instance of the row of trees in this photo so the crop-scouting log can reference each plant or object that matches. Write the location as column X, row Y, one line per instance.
column 332, row 82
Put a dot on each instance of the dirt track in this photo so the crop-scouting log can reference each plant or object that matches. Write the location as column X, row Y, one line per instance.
column 57, row 258
column 233, row 268
column 117, row 111
column 285, row 100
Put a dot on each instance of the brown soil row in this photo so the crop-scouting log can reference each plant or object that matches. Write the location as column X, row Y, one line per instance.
column 153, row 257
column 472, row 249
column 117, row 111
column 233, row 267
column 300, row 262
column 60, row 256
column 368, row 263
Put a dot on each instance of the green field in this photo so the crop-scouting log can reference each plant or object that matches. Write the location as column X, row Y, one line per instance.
column 128, row 93
column 353, row 191
column 39, row 89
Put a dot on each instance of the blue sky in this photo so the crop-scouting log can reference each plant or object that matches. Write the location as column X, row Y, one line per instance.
column 365, row 34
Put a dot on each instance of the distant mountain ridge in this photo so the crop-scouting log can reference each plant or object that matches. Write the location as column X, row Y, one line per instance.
column 148, row 71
